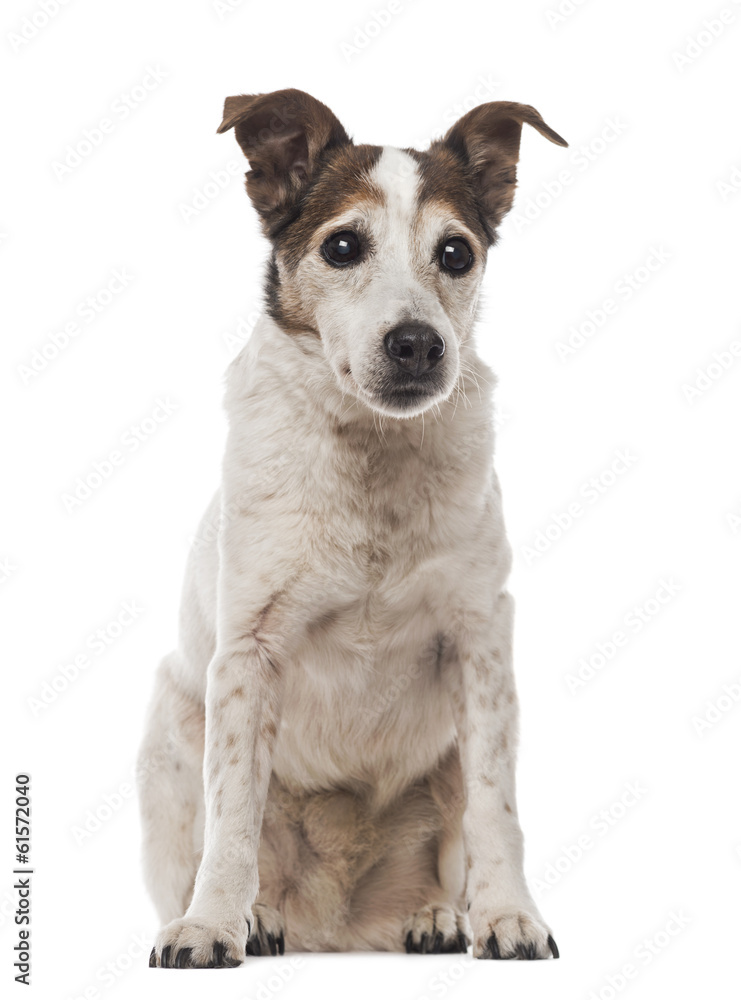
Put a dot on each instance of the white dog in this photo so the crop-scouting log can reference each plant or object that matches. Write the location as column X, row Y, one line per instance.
column 329, row 759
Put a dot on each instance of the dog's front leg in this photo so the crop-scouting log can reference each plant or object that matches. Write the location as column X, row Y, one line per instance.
column 242, row 715
column 505, row 920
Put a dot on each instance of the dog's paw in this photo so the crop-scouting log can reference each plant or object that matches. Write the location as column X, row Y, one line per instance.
column 268, row 935
column 514, row 934
column 435, row 930
column 190, row 943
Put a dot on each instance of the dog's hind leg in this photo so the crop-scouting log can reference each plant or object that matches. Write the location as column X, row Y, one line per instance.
column 268, row 936
column 170, row 782
column 442, row 925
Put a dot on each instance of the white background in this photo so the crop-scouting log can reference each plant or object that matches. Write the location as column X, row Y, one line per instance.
column 660, row 178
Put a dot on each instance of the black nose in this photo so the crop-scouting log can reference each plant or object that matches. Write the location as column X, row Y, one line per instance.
column 415, row 348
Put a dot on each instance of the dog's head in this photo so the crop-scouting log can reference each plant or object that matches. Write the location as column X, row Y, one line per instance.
column 379, row 251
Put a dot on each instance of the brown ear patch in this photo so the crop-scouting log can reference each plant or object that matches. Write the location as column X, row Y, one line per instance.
column 284, row 135
column 487, row 139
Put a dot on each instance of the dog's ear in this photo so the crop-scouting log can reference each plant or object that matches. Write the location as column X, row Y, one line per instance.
column 282, row 134
column 488, row 139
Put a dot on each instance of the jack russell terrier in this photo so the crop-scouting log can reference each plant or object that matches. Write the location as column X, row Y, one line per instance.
column 329, row 756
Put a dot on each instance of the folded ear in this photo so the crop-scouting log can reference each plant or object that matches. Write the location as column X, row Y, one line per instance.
column 488, row 138
column 282, row 134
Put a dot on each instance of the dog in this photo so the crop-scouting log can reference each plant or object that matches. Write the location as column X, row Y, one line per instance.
column 328, row 762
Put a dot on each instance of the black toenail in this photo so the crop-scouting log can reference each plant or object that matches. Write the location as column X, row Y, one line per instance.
column 182, row 959
column 493, row 946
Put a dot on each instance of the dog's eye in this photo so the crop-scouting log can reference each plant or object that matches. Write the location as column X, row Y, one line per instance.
column 455, row 255
column 342, row 248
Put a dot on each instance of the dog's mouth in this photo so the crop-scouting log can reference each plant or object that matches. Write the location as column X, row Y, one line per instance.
column 400, row 397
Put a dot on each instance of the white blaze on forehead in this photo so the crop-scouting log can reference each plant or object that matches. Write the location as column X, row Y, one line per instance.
column 398, row 289
column 397, row 175
column 395, row 286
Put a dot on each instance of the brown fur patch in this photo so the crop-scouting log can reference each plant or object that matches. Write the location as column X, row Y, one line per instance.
column 269, row 729
column 446, row 179
column 343, row 182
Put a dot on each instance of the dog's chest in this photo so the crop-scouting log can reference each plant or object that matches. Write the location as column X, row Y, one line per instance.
column 395, row 533
column 397, row 539
column 365, row 697
column 365, row 701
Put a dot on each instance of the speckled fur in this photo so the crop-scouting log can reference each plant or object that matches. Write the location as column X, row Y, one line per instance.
column 333, row 741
